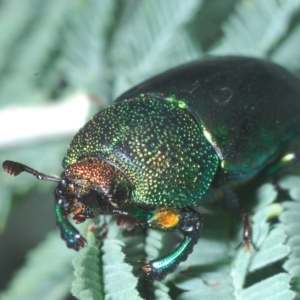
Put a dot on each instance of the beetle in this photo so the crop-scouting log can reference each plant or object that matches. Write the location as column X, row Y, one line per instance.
column 170, row 143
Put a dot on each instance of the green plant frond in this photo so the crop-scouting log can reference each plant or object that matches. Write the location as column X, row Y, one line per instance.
column 286, row 53
column 119, row 282
column 88, row 282
column 163, row 41
column 290, row 219
column 161, row 291
column 101, row 272
column 84, row 60
column 276, row 287
column 40, row 32
column 218, row 270
column 256, row 27
column 47, row 268
column 272, row 250
column 54, row 48
column 35, row 31
column 158, row 20
column 176, row 47
column 266, row 194
column 4, row 206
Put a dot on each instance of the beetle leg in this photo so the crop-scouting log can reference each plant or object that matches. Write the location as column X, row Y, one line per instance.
column 68, row 232
column 189, row 222
column 246, row 232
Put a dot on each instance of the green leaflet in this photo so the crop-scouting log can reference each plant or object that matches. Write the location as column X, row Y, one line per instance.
column 160, row 26
column 87, row 265
column 290, row 219
column 118, row 280
column 256, row 27
column 86, row 36
column 217, row 270
column 275, row 287
column 101, row 271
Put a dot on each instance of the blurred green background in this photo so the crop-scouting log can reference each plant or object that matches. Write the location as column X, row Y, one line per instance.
column 61, row 61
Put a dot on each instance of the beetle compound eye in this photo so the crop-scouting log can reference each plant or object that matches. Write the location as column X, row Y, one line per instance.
column 119, row 194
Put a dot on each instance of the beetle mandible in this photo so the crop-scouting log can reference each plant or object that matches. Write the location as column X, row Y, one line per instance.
column 170, row 143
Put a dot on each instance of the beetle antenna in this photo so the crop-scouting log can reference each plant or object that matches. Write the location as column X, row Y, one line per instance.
column 15, row 168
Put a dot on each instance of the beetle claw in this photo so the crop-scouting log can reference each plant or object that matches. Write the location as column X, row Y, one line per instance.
column 146, row 268
column 77, row 242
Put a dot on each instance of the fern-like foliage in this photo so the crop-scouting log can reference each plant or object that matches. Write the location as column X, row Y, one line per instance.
column 53, row 49
column 46, row 275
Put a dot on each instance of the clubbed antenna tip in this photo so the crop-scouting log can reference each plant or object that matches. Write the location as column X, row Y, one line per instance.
column 15, row 168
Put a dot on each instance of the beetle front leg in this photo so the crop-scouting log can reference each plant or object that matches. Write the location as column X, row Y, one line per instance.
column 189, row 222
column 68, row 233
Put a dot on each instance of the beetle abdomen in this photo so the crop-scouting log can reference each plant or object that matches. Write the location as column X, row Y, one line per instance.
column 156, row 143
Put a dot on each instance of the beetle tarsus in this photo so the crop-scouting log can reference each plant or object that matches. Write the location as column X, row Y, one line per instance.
column 247, row 242
column 146, row 268
column 232, row 201
column 76, row 242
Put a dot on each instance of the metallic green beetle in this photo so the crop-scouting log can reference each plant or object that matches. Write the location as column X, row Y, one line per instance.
column 168, row 144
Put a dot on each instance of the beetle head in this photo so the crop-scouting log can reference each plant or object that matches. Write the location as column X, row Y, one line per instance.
column 92, row 186
column 88, row 187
